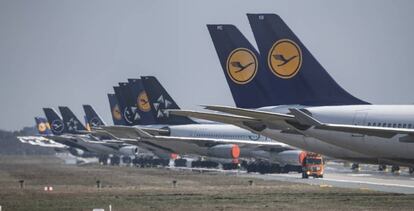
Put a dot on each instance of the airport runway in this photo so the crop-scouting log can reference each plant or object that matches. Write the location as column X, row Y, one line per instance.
column 337, row 176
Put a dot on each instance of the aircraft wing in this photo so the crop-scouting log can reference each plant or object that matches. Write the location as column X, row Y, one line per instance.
column 40, row 141
column 99, row 133
column 124, row 132
column 185, row 145
column 299, row 116
column 260, row 115
column 70, row 141
column 383, row 132
column 240, row 121
column 249, row 123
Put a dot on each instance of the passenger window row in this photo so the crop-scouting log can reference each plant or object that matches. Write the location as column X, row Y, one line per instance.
column 394, row 125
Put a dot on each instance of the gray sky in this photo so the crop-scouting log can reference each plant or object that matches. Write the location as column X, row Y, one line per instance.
column 72, row 52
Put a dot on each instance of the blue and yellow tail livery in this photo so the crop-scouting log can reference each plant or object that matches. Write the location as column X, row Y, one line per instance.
column 240, row 63
column 293, row 75
column 141, row 102
column 116, row 112
column 43, row 126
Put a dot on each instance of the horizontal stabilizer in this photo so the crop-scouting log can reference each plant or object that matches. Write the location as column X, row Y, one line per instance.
column 261, row 115
column 304, row 118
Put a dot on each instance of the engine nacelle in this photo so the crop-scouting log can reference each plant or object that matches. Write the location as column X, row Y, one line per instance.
column 289, row 157
column 128, row 151
column 76, row 152
column 228, row 151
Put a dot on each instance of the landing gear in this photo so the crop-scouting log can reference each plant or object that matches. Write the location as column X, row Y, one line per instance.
column 355, row 167
column 382, row 168
column 126, row 160
column 395, row 169
column 305, row 175
column 264, row 167
column 103, row 160
column 150, row 162
column 160, row 162
column 230, row 166
column 115, row 160
column 204, row 164
column 180, row 163
column 258, row 166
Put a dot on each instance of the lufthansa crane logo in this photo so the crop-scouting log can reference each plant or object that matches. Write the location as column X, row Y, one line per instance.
column 116, row 113
column 285, row 58
column 143, row 103
column 95, row 122
column 242, row 65
column 57, row 126
column 42, row 127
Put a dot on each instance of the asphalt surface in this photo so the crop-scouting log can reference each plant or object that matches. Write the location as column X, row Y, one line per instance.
column 368, row 178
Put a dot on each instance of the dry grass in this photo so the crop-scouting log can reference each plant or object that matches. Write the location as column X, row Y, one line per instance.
column 128, row 188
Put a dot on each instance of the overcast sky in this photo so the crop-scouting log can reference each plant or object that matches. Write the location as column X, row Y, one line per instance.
column 72, row 52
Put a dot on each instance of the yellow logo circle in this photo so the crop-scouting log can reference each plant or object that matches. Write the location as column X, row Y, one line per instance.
column 143, row 102
column 285, row 58
column 116, row 113
column 42, row 127
column 242, row 65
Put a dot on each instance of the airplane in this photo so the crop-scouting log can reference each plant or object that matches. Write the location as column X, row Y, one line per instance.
column 259, row 91
column 118, row 104
column 69, row 131
column 92, row 118
column 43, row 129
column 216, row 141
column 309, row 103
column 115, row 110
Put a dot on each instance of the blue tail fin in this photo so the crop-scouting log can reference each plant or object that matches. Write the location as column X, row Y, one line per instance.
column 116, row 112
column 160, row 101
column 130, row 114
column 123, row 108
column 92, row 118
column 43, row 127
column 55, row 121
column 72, row 123
column 239, row 60
column 141, row 102
column 296, row 77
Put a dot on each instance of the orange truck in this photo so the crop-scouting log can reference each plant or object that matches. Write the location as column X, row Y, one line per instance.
column 312, row 165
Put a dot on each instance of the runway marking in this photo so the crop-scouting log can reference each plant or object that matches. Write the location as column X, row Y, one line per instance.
column 369, row 183
column 353, row 181
column 366, row 185
column 360, row 175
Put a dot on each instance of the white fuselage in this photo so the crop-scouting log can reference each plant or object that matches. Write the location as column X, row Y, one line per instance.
column 218, row 131
column 231, row 132
column 381, row 116
column 310, row 143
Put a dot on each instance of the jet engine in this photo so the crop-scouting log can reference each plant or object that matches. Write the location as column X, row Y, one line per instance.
column 228, row 151
column 289, row 157
column 128, row 151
